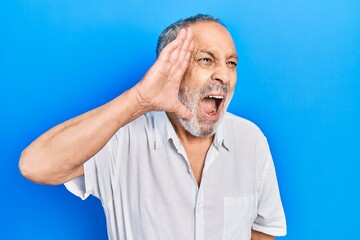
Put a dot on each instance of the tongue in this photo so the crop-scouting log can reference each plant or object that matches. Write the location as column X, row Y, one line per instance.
column 208, row 105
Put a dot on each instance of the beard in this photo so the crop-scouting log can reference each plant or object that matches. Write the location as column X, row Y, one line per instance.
column 191, row 98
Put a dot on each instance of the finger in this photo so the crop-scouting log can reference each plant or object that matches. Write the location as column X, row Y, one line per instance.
column 172, row 46
column 185, row 54
column 182, row 66
column 187, row 57
column 185, row 46
column 181, row 37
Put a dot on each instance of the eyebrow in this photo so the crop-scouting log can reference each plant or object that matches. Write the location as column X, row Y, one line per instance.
column 233, row 56
column 208, row 52
column 213, row 55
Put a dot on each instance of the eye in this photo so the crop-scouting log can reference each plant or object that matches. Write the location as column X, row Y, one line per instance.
column 232, row 64
column 206, row 60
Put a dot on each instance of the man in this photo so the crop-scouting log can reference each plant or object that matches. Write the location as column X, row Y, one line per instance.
column 164, row 158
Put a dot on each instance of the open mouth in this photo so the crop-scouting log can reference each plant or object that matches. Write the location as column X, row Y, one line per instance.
column 211, row 104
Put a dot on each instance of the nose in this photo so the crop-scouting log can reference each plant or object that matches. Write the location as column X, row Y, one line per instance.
column 222, row 74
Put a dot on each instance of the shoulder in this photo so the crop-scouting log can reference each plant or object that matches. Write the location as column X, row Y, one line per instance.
column 247, row 140
column 143, row 126
column 146, row 120
column 241, row 126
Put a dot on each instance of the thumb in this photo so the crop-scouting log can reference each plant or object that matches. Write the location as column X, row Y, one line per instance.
column 183, row 111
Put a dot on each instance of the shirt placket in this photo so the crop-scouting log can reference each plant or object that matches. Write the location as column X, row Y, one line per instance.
column 200, row 201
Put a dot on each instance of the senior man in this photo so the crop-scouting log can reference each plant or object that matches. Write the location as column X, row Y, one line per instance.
column 165, row 158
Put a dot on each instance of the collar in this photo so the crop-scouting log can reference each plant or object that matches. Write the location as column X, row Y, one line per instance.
column 165, row 131
column 221, row 136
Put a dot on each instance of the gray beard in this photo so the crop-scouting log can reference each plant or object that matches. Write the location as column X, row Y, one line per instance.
column 196, row 126
column 193, row 126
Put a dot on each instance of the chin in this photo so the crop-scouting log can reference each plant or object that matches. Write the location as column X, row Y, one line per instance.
column 202, row 124
column 200, row 128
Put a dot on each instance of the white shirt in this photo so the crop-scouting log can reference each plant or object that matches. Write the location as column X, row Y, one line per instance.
column 145, row 183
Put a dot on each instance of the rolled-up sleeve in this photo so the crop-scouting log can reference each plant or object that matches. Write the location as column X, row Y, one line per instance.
column 100, row 176
column 270, row 216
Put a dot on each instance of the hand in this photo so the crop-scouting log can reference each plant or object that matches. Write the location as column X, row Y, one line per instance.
column 158, row 89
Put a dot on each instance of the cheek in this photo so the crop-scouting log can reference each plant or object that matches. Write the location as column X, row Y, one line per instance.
column 195, row 77
column 233, row 81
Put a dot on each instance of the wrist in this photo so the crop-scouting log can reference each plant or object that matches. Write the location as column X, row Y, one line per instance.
column 125, row 108
column 142, row 104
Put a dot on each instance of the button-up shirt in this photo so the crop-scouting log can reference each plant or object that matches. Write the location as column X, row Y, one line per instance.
column 148, row 190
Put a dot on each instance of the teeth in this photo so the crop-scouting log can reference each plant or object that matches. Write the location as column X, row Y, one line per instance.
column 217, row 97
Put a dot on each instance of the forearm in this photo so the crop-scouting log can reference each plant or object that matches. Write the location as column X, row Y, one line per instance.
column 255, row 235
column 58, row 155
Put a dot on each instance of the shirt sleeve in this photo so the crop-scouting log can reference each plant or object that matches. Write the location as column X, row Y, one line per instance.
column 270, row 215
column 100, row 174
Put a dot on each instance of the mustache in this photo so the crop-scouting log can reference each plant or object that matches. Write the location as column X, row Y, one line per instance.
column 214, row 87
column 188, row 96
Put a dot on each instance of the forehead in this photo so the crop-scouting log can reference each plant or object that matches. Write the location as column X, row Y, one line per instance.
column 212, row 36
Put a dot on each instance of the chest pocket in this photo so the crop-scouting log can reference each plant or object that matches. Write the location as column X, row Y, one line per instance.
column 239, row 215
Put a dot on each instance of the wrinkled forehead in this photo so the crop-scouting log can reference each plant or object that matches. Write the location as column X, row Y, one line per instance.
column 212, row 36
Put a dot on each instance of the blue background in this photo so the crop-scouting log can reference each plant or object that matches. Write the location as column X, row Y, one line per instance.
column 298, row 79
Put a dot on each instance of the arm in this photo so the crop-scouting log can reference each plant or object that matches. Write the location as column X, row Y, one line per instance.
column 58, row 155
column 255, row 235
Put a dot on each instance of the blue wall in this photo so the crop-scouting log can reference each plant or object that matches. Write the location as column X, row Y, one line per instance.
column 298, row 79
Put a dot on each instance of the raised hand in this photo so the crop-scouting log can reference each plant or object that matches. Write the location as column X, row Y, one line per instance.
column 158, row 89
column 58, row 155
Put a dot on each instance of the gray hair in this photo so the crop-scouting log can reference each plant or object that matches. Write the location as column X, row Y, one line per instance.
column 171, row 32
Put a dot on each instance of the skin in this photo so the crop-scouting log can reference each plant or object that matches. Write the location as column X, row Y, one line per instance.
column 255, row 235
column 58, row 155
column 212, row 65
column 214, row 59
column 202, row 54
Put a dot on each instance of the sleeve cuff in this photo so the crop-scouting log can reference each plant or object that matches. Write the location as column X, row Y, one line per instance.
column 77, row 187
column 81, row 186
column 273, row 231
